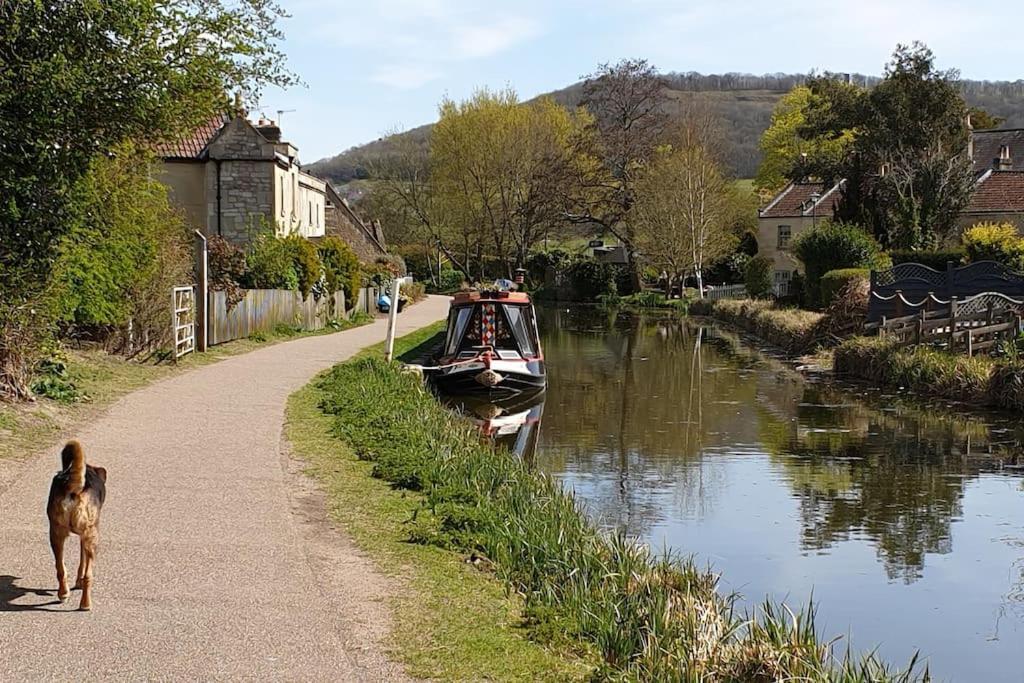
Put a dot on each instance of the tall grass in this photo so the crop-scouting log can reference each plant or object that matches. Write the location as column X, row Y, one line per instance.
column 983, row 381
column 787, row 328
column 650, row 617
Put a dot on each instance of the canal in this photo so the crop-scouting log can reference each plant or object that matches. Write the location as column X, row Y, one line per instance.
column 905, row 522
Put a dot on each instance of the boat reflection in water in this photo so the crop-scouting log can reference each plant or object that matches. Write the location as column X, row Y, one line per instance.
column 512, row 423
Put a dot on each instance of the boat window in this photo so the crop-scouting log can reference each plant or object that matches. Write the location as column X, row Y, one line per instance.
column 521, row 322
column 458, row 320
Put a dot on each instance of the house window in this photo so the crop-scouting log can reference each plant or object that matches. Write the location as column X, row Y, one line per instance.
column 282, row 199
column 311, row 213
column 785, row 232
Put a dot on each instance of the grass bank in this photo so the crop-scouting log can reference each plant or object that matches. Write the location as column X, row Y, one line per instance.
column 441, row 494
column 788, row 328
column 79, row 384
column 452, row 620
column 980, row 381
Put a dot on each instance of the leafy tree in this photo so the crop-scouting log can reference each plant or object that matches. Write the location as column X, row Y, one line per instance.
column 78, row 77
column 982, row 120
column 995, row 242
column 832, row 245
column 784, row 148
column 907, row 172
column 682, row 213
column 341, row 267
column 496, row 169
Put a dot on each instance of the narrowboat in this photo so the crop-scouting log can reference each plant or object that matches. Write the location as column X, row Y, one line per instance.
column 491, row 346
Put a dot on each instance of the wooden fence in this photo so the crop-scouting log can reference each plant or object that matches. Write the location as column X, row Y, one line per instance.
column 263, row 309
column 725, row 292
column 970, row 325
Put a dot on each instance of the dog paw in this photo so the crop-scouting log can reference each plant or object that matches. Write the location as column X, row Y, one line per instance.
column 63, row 596
column 85, row 608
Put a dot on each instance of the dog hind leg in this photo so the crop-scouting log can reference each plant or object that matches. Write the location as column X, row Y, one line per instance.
column 57, row 538
column 90, row 544
column 81, row 565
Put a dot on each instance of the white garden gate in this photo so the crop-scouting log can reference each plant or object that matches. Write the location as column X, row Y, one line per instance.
column 183, row 303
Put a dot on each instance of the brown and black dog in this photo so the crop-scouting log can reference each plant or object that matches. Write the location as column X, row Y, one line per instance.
column 76, row 497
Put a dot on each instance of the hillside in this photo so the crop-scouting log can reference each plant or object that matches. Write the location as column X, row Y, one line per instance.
column 743, row 101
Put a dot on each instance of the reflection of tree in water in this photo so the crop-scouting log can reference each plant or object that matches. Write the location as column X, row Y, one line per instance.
column 646, row 419
column 897, row 478
column 630, row 399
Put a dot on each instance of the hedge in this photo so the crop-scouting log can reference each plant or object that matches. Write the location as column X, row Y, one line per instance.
column 834, row 281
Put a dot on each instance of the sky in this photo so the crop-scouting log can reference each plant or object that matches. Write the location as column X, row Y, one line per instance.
column 375, row 66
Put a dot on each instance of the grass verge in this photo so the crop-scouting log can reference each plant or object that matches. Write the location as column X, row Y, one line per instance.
column 787, row 328
column 88, row 381
column 445, row 494
column 980, row 381
column 452, row 621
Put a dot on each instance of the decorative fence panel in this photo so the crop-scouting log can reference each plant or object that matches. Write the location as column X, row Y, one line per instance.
column 915, row 284
column 263, row 309
column 725, row 292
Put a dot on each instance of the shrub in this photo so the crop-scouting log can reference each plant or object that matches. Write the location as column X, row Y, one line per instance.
column 591, row 279
column 835, row 281
column 757, row 276
column 305, row 262
column 124, row 250
column 341, row 267
column 449, row 280
column 269, row 264
column 227, row 270
column 995, row 242
column 832, row 245
column 932, row 259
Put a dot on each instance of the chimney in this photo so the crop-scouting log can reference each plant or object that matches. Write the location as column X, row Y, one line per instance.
column 970, row 138
column 270, row 130
column 1005, row 161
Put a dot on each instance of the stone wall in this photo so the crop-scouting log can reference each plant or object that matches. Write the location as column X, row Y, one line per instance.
column 341, row 225
column 246, row 173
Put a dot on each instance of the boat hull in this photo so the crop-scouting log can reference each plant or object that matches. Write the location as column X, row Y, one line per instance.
column 530, row 378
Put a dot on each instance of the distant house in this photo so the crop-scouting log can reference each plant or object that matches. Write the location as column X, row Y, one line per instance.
column 367, row 241
column 231, row 175
column 998, row 158
column 799, row 206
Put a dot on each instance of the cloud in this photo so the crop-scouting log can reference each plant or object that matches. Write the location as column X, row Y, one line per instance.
column 404, row 76
column 417, row 41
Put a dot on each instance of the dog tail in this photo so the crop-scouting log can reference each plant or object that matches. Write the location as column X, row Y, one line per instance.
column 73, row 460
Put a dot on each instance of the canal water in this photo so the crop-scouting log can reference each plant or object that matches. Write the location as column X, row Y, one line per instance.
column 904, row 521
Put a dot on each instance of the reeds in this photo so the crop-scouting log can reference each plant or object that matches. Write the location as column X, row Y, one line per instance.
column 649, row 617
column 787, row 328
column 982, row 381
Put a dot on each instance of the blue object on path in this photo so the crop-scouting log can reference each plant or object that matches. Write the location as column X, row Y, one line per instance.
column 383, row 303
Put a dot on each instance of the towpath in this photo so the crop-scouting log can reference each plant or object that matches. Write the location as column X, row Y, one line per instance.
column 216, row 561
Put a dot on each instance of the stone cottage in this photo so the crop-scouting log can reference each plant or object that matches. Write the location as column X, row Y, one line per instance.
column 231, row 176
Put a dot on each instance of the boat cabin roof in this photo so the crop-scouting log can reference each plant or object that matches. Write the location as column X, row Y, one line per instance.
column 472, row 297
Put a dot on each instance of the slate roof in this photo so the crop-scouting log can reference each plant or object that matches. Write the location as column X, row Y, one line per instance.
column 998, row 192
column 988, row 142
column 192, row 145
column 795, row 201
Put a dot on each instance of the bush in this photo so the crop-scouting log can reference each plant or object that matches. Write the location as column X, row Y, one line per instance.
column 835, row 281
column 125, row 248
column 830, row 246
column 269, row 264
column 995, row 242
column 227, row 269
column 591, row 279
column 757, row 277
column 932, row 259
column 449, row 280
column 341, row 267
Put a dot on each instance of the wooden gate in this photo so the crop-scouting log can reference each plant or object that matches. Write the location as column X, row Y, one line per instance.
column 183, row 303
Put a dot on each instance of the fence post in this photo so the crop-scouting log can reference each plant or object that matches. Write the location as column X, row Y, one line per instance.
column 970, row 343
column 950, row 275
column 952, row 323
column 988, row 313
column 881, row 329
column 202, row 291
column 919, row 330
column 392, row 318
column 899, row 303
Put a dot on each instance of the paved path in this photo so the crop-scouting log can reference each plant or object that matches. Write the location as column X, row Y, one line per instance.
column 214, row 562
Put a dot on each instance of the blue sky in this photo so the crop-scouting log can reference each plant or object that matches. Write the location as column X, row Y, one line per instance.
column 378, row 65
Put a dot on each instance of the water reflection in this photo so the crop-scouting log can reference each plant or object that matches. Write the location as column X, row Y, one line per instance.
column 894, row 514
column 512, row 423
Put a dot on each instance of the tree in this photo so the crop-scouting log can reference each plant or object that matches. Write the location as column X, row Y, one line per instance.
column 627, row 102
column 684, row 205
column 497, row 168
column 78, row 77
column 907, row 172
column 784, row 148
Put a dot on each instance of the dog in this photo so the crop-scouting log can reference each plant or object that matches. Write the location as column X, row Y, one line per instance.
column 76, row 498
